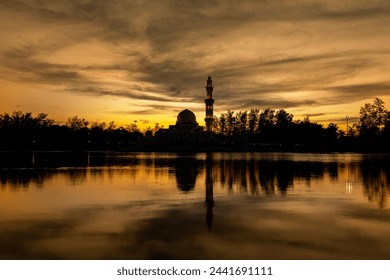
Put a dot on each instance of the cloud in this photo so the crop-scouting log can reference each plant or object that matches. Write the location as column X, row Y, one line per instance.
column 259, row 53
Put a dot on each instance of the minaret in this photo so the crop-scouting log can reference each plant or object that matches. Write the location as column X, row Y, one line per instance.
column 209, row 119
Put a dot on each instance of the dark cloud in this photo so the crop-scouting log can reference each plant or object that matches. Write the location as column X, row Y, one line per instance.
column 92, row 91
column 152, row 109
column 359, row 89
column 30, row 69
column 356, row 92
column 262, row 101
column 342, row 120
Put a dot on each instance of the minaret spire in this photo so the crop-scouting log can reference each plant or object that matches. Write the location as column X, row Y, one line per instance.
column 209, row 119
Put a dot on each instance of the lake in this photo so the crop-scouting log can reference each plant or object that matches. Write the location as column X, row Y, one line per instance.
column 107, row 205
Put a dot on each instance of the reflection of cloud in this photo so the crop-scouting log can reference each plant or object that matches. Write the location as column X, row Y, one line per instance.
column 181, row 234
column 243, row 229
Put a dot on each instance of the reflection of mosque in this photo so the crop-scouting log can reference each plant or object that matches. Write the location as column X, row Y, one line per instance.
column 186, row 171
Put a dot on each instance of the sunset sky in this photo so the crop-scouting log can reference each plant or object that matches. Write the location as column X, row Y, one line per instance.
column 145, row 60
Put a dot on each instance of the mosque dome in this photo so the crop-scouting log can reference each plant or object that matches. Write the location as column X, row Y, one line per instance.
column 186, row 117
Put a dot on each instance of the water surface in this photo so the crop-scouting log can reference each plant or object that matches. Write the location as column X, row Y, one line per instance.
column 194, row 206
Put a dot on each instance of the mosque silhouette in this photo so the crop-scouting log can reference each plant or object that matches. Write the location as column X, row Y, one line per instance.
column 186, row 124
column 187, row 133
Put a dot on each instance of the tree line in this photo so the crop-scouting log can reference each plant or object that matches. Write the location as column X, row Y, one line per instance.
column 270, row 126
column 20, row 130
column 23, row 131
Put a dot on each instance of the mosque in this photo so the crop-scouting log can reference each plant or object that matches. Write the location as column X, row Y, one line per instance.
column 186, row 124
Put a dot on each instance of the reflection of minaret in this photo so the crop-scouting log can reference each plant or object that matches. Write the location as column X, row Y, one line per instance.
column 209, row 105
column 209, row 203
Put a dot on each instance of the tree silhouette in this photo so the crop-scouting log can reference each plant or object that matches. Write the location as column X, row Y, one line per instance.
column 75, row 123
column 283, row 125
column 253, row 120
column 241, row 123
column 373, row 118
column 332, row 133
column 22, row 130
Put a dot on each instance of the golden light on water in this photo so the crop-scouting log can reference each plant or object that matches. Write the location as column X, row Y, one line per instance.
column 348, row 187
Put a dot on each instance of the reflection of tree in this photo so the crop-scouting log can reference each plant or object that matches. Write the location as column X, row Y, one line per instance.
column 76, row 177
column 238, row 174
column 266, row 176
column 376, row 181
column 17, row 178
column 245, row 176
column 18, row 170
column 332, row 170
column 284, row 177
